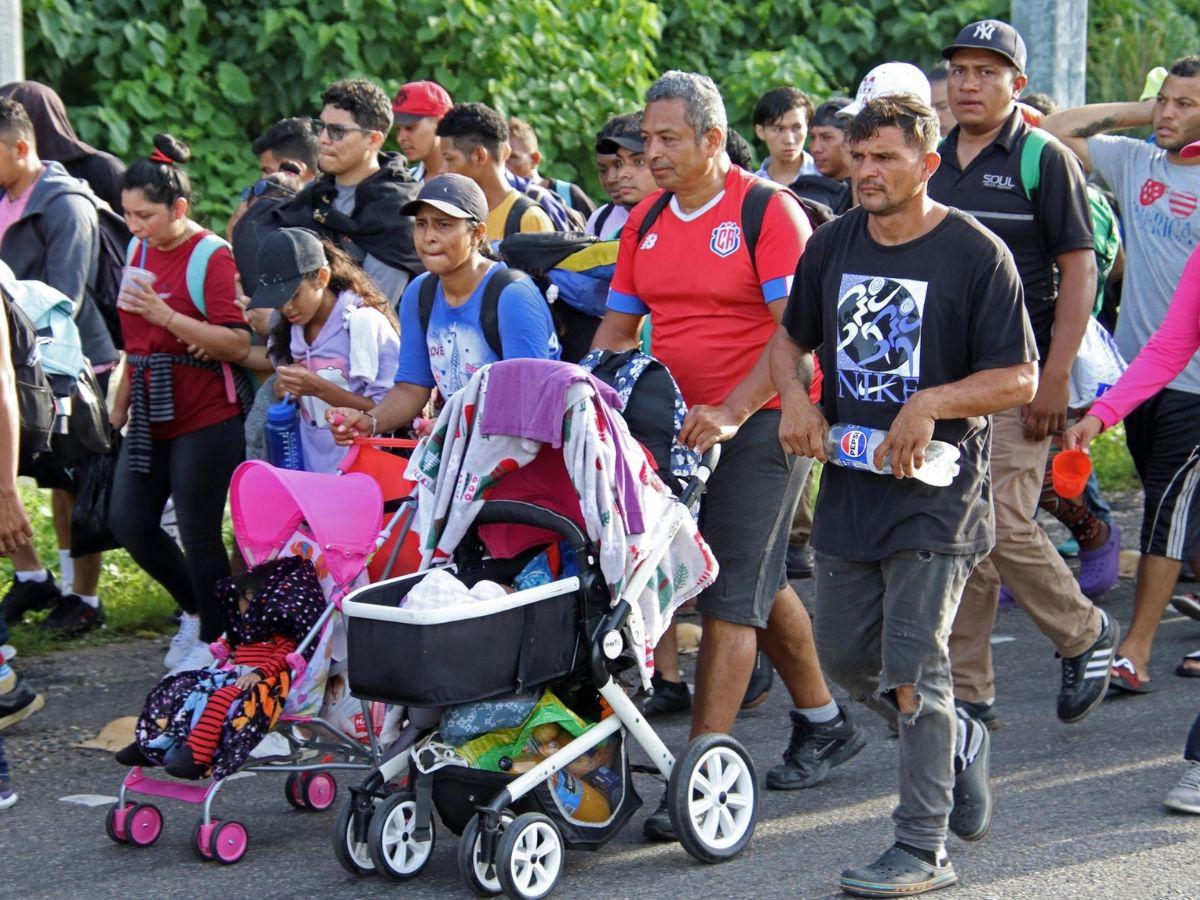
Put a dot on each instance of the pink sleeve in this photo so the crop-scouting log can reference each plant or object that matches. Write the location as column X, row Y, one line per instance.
column 1165, row 355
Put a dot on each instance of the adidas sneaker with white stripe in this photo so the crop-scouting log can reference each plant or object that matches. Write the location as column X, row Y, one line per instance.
column 1085, row 677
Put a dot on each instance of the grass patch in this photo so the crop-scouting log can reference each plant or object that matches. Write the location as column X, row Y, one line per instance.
column 134, row 603
column 1111, row 461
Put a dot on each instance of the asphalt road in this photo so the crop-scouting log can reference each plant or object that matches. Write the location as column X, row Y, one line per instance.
column 1078, row 808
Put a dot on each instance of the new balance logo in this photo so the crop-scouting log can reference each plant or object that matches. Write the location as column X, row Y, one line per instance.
column 649, row 242
column 985, row 30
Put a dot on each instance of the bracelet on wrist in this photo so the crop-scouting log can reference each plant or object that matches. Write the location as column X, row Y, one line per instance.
column 170, row 318
column 374, row 424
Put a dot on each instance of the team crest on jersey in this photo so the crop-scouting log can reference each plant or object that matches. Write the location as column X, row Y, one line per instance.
column 650, row 241
column 726, row 238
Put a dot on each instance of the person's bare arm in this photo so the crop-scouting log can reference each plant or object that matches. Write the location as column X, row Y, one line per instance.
column 979, row 394
column 119, row 414
column 802, row 427
column 1074, row 126
column 398, row 407
column 15, row 530
column 618, row 332
column 1047, row 414
column 216, row 341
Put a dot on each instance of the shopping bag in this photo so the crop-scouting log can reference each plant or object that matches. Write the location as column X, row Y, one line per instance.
column 89, row 522
column 1098, row 365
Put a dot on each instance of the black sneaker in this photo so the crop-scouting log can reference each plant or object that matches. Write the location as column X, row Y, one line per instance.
column 813, row 750
column 19, row 703
column 971, row 816
column 761, row 680
column 669, row 697
column 982, row 712
column 657, row 826
column 799, row 562
column 72, row 617
column 28, row 596
column 1085, row 677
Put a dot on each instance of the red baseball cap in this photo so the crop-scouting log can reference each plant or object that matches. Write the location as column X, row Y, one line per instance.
column 1192, row 149
column 420, row 99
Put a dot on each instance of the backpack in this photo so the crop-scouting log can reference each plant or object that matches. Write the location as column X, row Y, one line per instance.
column 114, row 235
column 512, row 222
column 489, row 312
column 35, row 399
column 754, row 208
column 601, row 217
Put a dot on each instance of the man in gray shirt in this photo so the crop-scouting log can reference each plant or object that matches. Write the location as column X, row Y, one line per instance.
column 1158, row 192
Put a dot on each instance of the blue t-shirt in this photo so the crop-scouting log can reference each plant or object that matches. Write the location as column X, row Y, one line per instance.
column 455, row 347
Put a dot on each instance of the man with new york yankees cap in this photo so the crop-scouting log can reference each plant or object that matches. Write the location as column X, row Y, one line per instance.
column 685, row 258
column 1027, row 189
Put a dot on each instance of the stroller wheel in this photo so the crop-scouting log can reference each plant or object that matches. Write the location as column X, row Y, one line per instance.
column 479, row 876
column 394, row 848
column 143, row 825
column 320, row 790
column 293, row 790
column 529, row 857
column 228, row 842
column 712, row 798
column 202, row 838
column 353, row 856
column 116, row 823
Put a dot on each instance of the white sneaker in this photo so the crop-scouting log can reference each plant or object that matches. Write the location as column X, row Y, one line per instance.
column 196, row 658
column 273, row 748
column 183, row 641
column 1185, row 796
column 8, row 651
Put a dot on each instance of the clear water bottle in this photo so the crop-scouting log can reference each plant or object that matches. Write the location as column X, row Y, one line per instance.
column 283, row 435
column 853, row 446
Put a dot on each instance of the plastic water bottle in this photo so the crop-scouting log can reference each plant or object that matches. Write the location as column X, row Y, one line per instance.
column 283, row 435
column 853, row 446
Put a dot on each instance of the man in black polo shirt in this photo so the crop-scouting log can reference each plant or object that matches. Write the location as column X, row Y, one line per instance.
column 827, row 144
column 1047, row 227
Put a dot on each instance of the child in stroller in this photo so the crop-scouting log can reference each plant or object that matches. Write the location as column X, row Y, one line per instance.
column 574, row 636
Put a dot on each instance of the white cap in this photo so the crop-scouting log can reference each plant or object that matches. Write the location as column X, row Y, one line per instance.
column 886, row 80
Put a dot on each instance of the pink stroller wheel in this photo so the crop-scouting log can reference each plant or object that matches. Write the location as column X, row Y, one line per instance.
column 228, row 842
column 115, row 823
column 293, row 789
column 143, row 824
column 319, row 791
column 202, row 838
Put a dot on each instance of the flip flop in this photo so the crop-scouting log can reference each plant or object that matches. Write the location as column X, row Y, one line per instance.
column 1182, row 669
column 1187, row 604
column 1125, row 678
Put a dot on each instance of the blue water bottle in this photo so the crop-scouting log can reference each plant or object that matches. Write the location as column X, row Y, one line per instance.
column 283, row 435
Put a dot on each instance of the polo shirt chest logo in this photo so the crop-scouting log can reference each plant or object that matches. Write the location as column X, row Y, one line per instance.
column 726, row 238
column 999, row 182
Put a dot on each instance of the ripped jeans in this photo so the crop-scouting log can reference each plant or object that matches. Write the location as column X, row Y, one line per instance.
column 883, row 624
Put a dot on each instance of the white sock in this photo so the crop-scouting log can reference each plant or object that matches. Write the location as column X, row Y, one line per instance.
column 38, row 575
column 819, row 714
column 66, row 566
column 91, row 600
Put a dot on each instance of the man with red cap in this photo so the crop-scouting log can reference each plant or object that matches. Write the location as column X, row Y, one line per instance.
column 417, row 109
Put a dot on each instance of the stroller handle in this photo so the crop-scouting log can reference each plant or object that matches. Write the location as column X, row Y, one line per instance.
column 518, row 512
column 696, row 484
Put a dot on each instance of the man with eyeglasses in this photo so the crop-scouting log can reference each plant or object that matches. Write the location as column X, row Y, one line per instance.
column 781, row 119
column 357, row 200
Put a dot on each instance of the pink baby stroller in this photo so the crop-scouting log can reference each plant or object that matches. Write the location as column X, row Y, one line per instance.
column 335, row 522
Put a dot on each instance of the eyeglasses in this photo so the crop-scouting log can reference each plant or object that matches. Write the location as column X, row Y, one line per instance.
column 337, row 132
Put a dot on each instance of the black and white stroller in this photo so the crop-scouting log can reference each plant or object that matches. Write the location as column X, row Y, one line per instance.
column 585, row 633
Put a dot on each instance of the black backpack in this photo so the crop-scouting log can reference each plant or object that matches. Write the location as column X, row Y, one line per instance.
column 35, row 398
column 489, row 313
column 512, row 222
column 754, row 208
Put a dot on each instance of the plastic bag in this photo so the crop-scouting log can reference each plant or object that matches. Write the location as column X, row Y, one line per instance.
column 548, row 727
column 1097, row 366
column 89, row 521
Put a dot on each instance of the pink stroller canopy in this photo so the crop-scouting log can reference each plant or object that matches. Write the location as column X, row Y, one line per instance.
column 344, row 514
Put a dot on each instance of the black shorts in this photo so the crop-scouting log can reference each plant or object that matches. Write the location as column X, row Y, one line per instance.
column 745, row 518
column 1163, row 435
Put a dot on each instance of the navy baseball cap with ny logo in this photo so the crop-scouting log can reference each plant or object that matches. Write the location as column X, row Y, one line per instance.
column 994, row 35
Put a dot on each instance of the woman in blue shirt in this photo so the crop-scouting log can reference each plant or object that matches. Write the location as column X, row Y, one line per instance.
column 450, row 215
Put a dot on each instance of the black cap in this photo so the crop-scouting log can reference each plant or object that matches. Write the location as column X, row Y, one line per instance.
column 455, row 195
column 622, row 131
column 284, row 259
column 994, row 35
column 827, row 114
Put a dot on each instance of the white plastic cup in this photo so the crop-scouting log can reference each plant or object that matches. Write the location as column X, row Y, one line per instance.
column 129, row 274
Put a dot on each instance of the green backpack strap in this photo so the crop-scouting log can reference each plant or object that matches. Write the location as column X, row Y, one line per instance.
column 1031, row 159
column 197, row 268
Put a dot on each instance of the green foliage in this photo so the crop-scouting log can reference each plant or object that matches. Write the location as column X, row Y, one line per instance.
column 1112, row 463
column 1127, row 38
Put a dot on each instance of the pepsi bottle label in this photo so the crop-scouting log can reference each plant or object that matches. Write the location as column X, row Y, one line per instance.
column 852, row 449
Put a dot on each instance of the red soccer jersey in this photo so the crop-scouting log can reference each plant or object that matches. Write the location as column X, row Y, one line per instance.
column 199, row 394
column 694, row 275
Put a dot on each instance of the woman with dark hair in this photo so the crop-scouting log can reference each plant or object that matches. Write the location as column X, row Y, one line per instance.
column 183, row 400
column 56, row 140
column 335, row 342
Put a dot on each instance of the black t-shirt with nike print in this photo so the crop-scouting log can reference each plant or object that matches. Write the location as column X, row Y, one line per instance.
column 1056, row 219
column 887, row 321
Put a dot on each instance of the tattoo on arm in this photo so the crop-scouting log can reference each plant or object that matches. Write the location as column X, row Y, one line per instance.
column 1094, row 128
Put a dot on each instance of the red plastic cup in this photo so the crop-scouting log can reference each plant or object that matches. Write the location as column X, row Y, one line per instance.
column 1070, row 472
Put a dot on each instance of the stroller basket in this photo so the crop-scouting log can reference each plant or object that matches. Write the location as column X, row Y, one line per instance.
column 478, row 650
